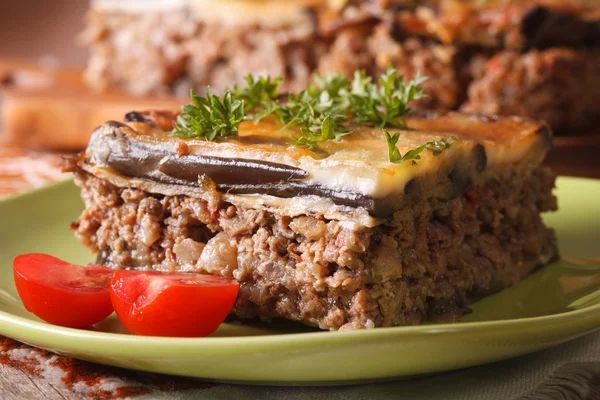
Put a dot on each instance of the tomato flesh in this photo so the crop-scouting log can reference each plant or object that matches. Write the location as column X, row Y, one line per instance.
column 171, row 304
column 62, row 293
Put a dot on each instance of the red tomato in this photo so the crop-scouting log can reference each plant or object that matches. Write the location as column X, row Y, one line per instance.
column 62, row 293
column 171, row 304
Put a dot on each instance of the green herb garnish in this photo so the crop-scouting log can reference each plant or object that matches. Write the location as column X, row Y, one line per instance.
column 325, row 131
column 319, row 111
column 385, row 104
column 435, row 146
column 325, row 110
column 258, row 93
column 209, row 117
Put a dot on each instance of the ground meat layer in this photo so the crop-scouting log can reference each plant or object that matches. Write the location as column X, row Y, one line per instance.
column 430, row 259
column 517, row 73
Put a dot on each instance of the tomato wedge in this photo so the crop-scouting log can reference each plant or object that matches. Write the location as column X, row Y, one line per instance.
column 171, row 304
column 62, row 293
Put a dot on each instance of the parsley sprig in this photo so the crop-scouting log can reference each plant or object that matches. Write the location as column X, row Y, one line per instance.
column 210, row 117
column 319, row 112
column 258, row 93
column 385, row 104
column 323, row 111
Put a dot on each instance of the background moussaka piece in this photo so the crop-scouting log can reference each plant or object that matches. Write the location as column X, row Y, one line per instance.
column 533, row 58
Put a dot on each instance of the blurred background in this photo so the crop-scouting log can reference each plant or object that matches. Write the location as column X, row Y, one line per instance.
column 37, row 32
column 66, row 67
column 34, row 29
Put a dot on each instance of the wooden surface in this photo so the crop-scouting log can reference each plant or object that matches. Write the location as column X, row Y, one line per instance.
column 576, row 155
column 51, row 107
column 29, row 373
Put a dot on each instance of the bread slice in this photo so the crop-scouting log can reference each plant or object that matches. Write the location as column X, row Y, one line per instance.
column 52, row 108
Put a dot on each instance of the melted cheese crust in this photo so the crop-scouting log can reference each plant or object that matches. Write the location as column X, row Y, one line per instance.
column 359, row 162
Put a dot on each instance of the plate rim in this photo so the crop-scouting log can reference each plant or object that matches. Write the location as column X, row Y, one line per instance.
column 579, row 315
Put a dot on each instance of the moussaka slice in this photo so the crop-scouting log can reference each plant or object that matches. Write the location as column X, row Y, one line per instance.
column 381, row 227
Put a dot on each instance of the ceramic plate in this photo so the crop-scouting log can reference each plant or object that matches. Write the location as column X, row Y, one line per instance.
column 558, row 303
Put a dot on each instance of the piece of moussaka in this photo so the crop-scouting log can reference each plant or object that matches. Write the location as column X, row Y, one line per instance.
column 532, row 58
column 340, row 224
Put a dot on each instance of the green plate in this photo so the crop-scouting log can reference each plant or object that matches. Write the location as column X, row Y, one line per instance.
column 556, row 304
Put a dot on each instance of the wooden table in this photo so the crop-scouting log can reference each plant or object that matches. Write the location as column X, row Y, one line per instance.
column 29, row 373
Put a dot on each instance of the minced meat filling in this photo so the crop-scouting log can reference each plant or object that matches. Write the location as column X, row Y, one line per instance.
column 428, row 259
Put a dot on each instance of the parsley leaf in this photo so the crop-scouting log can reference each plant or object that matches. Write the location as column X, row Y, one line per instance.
column 435, row 146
